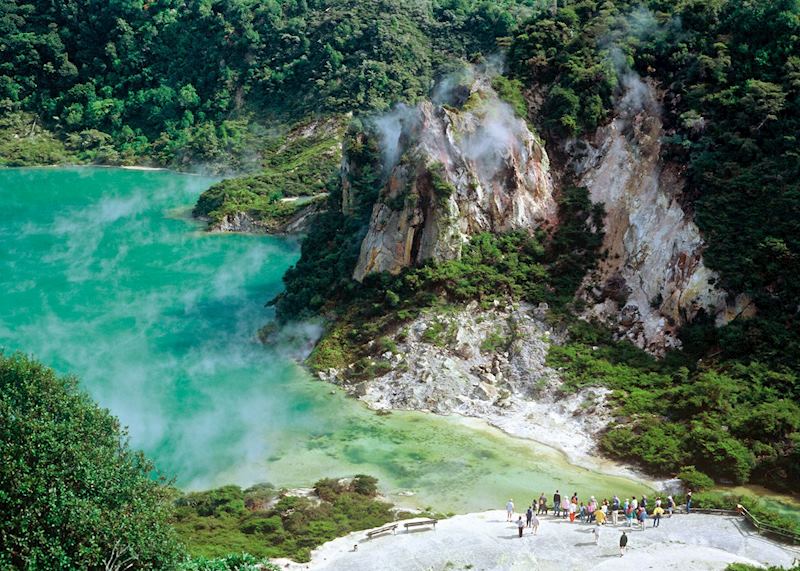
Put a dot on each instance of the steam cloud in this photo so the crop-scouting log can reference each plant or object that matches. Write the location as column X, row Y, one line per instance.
column 158, row 323
column 643, row 25
column 493, row 128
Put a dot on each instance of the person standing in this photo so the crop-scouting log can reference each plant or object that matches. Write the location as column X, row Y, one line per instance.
column 528, row 516
column 535, row 525
column 520, row 525
column 644, row 502
column 642, row 517
column 657, row 513
column 623, row 544
column 596, row 532
column 635, row 503
column 629, row 514
column 615, row 510
column 573, row 507
column 565, row 503
column 556, row 504
column 689, row 501
column 600, row 517
column 510, row 510
column 542, row 505
column 670, row 505
column 582, row 513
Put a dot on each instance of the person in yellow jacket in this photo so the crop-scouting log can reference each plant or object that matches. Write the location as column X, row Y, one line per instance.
column 657, row 513
column 600, row 517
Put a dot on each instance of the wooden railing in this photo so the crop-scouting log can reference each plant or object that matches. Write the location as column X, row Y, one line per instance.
column 761, row 527
column 766, row 528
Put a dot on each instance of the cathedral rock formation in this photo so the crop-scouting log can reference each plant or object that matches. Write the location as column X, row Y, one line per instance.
column 455, row 172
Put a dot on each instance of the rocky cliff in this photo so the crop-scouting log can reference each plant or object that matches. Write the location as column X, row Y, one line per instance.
column 454, row 172
column 487, row 364
column 652, row 279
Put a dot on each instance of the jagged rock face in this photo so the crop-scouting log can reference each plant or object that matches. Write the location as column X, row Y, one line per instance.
column 652, row 279
column 455, row 173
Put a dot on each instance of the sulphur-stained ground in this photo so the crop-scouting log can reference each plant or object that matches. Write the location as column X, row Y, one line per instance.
column 484, row 541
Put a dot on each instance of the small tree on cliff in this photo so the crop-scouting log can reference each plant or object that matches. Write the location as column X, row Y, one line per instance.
column 72, row 494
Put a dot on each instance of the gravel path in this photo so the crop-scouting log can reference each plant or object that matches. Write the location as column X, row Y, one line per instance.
column 484, row 541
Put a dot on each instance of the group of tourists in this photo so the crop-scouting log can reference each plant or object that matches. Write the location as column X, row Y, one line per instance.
column 635, row 511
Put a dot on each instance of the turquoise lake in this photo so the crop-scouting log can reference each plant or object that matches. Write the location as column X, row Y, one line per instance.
column 104, row 275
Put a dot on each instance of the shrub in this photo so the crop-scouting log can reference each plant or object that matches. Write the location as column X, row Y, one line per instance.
column 292, row 527
column 694, row 479
column 365, row 485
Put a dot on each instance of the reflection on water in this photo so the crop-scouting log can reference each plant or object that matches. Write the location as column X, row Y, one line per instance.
column 104, row 276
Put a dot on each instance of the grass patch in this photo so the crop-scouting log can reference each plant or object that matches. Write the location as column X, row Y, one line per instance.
column 494, row 342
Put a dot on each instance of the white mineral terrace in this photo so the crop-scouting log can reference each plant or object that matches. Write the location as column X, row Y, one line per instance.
column 485, row 541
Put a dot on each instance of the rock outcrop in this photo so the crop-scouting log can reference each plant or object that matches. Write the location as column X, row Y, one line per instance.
column 487, row 364
column 295, row 224
column 652, row 279
column 455, row 172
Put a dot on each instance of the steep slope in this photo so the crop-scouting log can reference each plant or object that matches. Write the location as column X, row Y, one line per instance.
column 652, row 279
column 454, row 172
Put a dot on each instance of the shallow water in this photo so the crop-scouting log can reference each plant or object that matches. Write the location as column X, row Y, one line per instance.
column 104, row 275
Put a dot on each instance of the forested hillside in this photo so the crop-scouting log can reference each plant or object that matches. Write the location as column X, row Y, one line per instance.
column 730, row 74
column 176, row 81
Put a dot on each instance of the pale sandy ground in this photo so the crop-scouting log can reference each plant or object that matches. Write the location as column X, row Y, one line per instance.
column 484, row 541
column 141, row 168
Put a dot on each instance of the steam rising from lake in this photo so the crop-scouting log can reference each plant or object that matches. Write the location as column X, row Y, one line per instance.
column 105, row 276
column 151, row 317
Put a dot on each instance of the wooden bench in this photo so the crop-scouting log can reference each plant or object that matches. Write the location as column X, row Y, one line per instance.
column 386, row 528
column 421, row 522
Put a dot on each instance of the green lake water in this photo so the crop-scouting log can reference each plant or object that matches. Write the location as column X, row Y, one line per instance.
column 104, row 275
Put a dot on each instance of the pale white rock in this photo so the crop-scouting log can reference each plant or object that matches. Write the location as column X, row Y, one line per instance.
column 652, row 279
column 485, row 540
column 511, row 387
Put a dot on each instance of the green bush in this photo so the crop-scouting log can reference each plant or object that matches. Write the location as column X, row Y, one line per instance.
column 290, row 527
column 233, row 562
column 72, row 493
column 731, row 422
column 694, row 479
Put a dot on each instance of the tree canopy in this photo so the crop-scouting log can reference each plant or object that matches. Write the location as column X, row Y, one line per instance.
column 170, row 80
column 72, row 493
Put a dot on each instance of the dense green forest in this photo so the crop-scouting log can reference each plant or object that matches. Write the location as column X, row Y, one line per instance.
column 182, row 81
